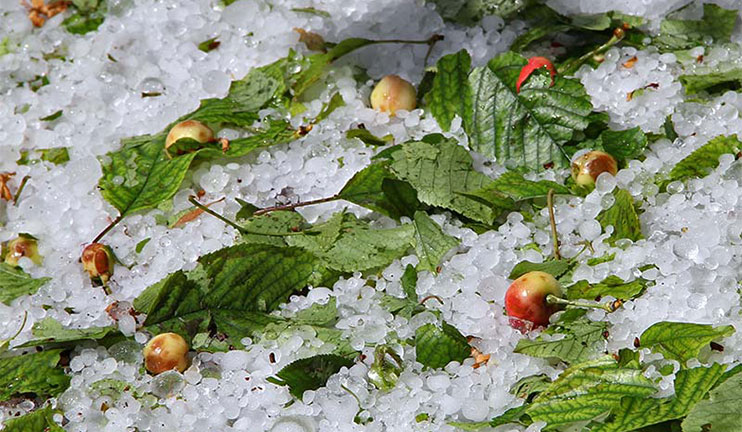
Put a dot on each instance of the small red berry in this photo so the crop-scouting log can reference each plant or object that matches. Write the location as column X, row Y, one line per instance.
column 98, row 261
column 587, row 168
column 533, row 64
column 525, row 300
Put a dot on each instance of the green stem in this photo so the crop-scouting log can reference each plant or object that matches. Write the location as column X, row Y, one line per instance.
column 552, row 221
column 608, row 307
column 572, row 66
column 295, row 205
column 20, row 189
column 108, row 228
column 192, row 199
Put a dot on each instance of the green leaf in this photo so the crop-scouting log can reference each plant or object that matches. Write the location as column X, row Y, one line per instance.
column 470, row 11
column 713, row 82
column 376, row 188
column 438, row 346
column 691, row 385
column 14, row 283
column 52, row 117
column 622, row 217
column 35, row 373
column 525, row 129
column 57, row 156
column 311, row 373
column 451, row 93
column 369, row 138
column 431, row 243
column 612, row 286
column 40, row 420
column 87, row 19
column 142, row 244
column 717, row 23
column 581, row 340
column 681, row 341
column 230, row 291
column 50, row 331
column 336, row 101
column 720, row 410
column 409, row 282
column 526, row 388
column 586, row 391
column 601, row 259
column 440, row 173
column 312, row 11
column 555, row 268
column 209, row 44
column 706, row 158
column 511, row 187
column 625, row 144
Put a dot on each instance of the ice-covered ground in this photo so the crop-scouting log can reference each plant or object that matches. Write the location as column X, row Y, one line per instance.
column 692, row 232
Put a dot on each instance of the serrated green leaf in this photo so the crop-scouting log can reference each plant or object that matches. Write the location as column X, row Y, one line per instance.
column 624, row 144
column 35, row 373
column 14, row 283
column 713, row 82
column 270, row 228
column 720, row 410
column 431, row 243
column 611, row 286
column 555, row 268
column 50, row 331
column 376, row 188
column 581, row 340
column 586, row 391
column 526, row 388
column 440, row 172
column 681, row 341
column 717, row 23
column 438, row 346
column 622, row 217
column 231, row 291
column 691, row 385
column 40, row 420
column 706, row 158
column 511, row 187
column 450, row 94
column 311, row 373
column 525, row 129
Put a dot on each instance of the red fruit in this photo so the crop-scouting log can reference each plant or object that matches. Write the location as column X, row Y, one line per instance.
column 97, row 259
column 525, row 300
column 533, row 64
column 587, row 168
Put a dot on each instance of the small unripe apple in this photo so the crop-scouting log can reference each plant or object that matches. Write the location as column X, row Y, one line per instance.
column 587, row 168
column 164, row 352
column 192, row 129
column 98, row 261
column 393, row 93
column 525, row 299
column 19, row 247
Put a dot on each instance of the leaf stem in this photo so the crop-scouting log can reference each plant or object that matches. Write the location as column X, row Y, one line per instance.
column 552, row 221
column 608, row 307
column 192, row 199
column 425, row 299
column 20, row 189
column 108, row 228
column 571, row 67
column 431, row 44
column 295, row 205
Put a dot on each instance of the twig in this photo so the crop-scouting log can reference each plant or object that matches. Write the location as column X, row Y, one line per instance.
column 422, row 302
column 295, row 205
column 205, row 209
column 570, row 67
column 608, row 307
column 431, row 43
column 108, row 228
column 552, row 220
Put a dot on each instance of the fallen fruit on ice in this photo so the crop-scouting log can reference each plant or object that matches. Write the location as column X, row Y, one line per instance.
column 525, row 299
column 165, row 352
column 189, row 129
column 393, row 93
column 19, row 247
column 587, row 168
column 98, row 261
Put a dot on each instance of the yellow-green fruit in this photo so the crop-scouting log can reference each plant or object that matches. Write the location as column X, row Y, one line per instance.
column 164, row 352
column 393, row 93
column 587, row 168
column 22, row 246
column 192, row 129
